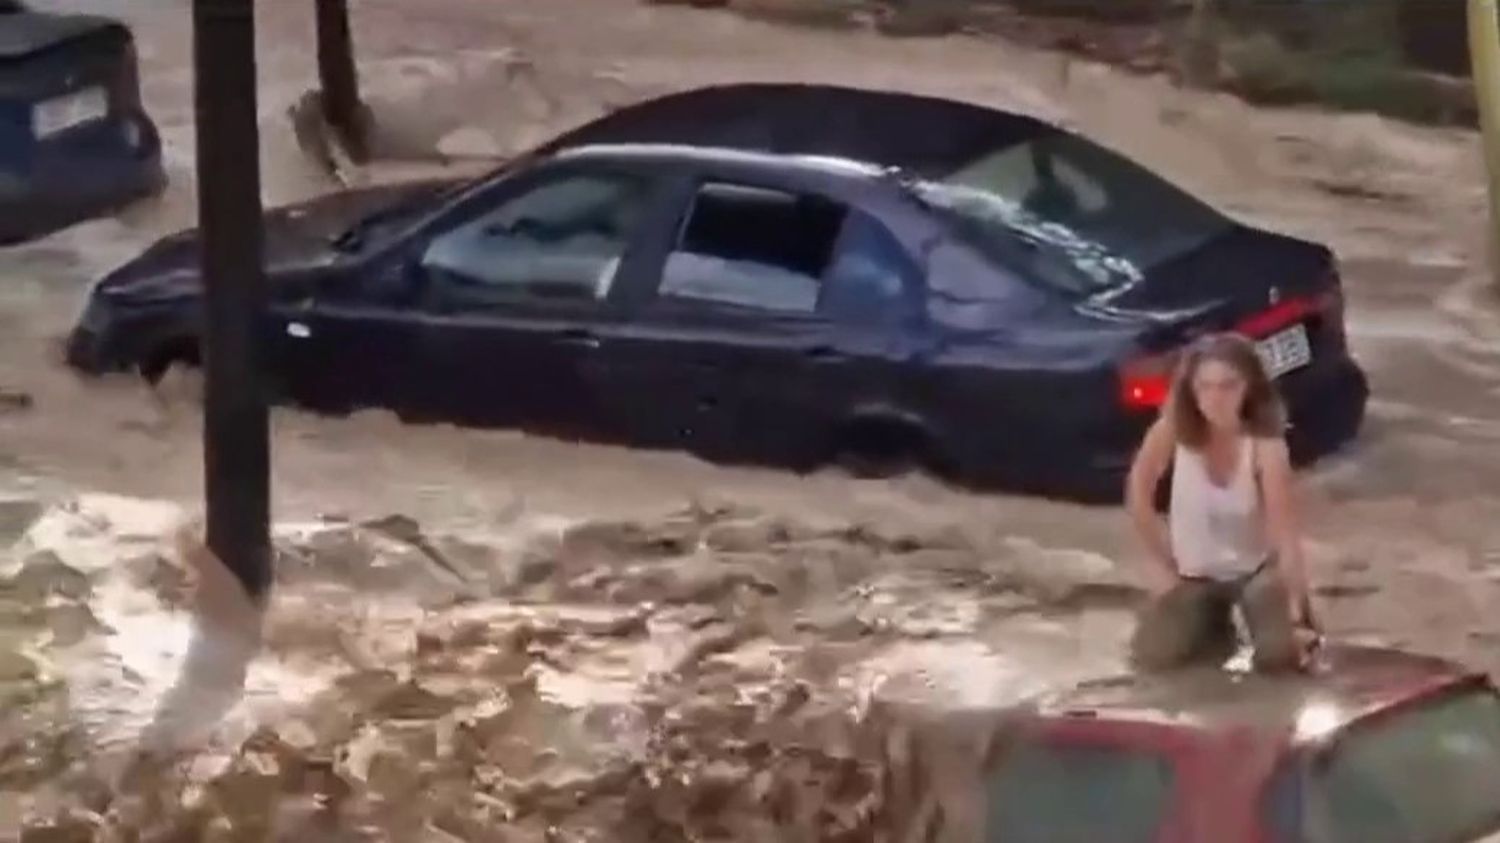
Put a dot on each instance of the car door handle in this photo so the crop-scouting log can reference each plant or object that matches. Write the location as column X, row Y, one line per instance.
column 577, row 337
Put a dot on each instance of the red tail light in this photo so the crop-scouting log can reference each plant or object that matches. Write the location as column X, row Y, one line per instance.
column 1146, row 382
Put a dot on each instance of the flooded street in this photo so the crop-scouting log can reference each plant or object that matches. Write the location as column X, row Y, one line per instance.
column 641, row 641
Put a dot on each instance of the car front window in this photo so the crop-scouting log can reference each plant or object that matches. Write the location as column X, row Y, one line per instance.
column 1074, row 215
column 564, row 238
column 1430, row 774
column 1064, row 793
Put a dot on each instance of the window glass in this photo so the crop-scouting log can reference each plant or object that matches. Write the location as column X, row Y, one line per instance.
column 754, row 248
column 870, row 274
column 1071, row 214
column 562, row 239
column 1059, row 793
column 1427, row 775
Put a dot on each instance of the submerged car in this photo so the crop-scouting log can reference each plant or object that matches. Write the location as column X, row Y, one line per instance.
column 75, row 141
column 777, row 273
column 1376, row 745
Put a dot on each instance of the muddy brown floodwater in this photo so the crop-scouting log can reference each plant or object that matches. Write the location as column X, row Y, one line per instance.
column 479, row 628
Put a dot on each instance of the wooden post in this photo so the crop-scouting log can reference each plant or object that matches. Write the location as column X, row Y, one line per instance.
column 1201, row 48
column 236, row 428
column 1484, row 52
column 337, row 78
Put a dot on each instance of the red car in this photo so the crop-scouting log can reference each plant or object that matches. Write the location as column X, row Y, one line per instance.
column 1375, row 746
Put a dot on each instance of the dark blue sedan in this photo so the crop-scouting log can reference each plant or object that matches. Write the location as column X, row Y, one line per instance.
column 778, row 274
column 75, row 141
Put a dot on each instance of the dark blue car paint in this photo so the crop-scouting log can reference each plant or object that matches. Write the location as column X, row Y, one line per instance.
column 1014, row 386
column 47, row 184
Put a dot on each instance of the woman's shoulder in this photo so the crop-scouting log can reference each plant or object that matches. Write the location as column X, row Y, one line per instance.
column 1270, row 450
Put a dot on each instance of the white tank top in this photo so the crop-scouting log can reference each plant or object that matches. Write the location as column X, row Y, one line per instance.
column 1217, row 532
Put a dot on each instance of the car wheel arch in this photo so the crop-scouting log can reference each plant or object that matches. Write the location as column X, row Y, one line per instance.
column 882, row 440
column 166, row 352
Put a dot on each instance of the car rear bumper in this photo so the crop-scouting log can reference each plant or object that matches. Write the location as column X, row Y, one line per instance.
column 85, row 174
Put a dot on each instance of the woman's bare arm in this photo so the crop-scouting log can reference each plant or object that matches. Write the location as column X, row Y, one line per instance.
column 1278, row 485
column 1146, row 471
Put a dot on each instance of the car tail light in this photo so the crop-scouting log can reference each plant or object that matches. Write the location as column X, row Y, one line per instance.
column 1330, row 301
column 1146, row 381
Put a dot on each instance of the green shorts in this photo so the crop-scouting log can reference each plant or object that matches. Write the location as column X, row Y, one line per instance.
column 1193, row 623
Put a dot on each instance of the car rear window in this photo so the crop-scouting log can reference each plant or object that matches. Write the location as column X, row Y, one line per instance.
column 1058, row 793
column 1073, row 215
column 1430, row 774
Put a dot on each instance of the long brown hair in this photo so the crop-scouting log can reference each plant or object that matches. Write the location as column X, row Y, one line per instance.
column 1262, row 413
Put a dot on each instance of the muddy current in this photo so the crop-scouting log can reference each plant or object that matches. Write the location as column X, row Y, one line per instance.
column 710, row 674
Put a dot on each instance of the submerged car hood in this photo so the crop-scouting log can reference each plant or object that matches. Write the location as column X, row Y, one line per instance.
column 25, row 33
column 296, row 237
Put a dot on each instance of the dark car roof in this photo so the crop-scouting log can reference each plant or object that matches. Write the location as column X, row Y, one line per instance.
column 1350, row 682
column 25, row 33
column 922, row 134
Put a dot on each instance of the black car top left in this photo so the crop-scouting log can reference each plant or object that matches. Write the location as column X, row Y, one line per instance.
column 75, row 140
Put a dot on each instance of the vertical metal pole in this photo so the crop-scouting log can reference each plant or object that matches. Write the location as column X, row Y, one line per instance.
column 336, row 75
column 236, row 428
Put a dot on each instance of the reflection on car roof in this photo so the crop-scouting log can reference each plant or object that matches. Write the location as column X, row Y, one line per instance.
column 715, row 154
column 919, row 134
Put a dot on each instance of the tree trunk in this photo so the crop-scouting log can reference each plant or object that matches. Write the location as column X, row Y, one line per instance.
column 1200, row 57
column 337, row 78
column 1484, row 49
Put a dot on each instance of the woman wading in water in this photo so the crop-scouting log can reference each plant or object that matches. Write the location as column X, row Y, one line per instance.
column 1231, row 536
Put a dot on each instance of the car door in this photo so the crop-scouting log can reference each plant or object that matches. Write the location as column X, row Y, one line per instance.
column 769, row 318
column 349, row 340
column 513, row 296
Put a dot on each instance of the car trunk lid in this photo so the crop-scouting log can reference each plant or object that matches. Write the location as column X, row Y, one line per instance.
column 50, row 59
column 1282, row 292
column 1240, row 279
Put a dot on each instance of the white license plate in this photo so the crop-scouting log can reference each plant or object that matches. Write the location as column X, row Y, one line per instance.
column 1285, row 351
column 59, row 114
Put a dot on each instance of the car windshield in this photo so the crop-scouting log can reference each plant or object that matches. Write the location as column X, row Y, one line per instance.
column 1058, row 793
column 1427, row 775
column 1077, row 216
column 355, row 235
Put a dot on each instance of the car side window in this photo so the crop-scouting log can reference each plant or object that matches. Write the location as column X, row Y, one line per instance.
column 562, row 239
column 870, row 275
column 754, row 248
